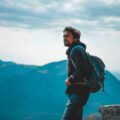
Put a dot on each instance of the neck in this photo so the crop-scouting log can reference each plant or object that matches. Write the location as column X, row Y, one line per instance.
column 74, row 43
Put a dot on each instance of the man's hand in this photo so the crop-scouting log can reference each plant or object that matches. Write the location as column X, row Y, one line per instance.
column 67, row 82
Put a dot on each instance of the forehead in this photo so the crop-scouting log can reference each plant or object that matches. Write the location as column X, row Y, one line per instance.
column 66, row 33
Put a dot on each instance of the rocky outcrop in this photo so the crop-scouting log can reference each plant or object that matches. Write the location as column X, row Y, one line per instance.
column 110, row 112
column 93, row 117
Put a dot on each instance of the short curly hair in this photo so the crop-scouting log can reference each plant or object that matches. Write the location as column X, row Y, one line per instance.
column 76, row 33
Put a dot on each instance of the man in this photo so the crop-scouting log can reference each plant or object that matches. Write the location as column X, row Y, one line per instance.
column 77, row 90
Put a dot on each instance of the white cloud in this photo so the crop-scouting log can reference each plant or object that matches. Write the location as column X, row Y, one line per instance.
column 42, row 14
column 73, row 5
column 110, row 2
column 112, row 19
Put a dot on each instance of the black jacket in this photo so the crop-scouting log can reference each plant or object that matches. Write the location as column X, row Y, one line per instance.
column 78, row 56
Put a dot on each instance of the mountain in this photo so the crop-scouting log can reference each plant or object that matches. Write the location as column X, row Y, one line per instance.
column 117, row 74
column 29, row 92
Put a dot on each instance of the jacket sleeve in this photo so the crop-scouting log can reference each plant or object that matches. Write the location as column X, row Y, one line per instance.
column 78, row 58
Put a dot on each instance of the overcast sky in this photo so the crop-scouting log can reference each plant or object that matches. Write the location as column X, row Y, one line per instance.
column 31, row 30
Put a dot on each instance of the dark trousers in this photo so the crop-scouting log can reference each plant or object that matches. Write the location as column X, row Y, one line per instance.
column 74, row 107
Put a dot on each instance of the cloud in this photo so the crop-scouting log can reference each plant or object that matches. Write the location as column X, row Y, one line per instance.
column 110, row 2
column 28, row 27
column 55, row 14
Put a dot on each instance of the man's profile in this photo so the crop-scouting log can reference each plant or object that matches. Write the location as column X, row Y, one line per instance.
column 78, row 94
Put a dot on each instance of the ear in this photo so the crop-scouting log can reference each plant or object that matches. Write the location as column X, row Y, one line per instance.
column 75, row 39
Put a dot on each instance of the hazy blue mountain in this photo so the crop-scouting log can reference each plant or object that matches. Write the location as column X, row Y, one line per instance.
column 117, row 74
column 30, row 92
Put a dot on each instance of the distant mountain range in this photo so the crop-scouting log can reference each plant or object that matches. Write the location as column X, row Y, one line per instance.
column 29, row 92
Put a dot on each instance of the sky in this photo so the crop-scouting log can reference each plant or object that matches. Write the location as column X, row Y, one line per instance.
column 31, row 31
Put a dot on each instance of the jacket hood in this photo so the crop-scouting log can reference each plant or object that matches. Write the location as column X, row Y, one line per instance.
column 79, row 43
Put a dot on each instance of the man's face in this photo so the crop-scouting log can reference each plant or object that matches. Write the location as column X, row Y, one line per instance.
column 68, row 38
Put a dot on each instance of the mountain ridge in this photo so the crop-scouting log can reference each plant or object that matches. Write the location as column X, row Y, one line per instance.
column 37, row 92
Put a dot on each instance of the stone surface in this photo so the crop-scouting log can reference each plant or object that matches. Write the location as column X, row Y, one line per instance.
column 110, row 112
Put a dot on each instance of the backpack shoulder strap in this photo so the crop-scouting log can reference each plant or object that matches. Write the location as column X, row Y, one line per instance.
column 75, row 47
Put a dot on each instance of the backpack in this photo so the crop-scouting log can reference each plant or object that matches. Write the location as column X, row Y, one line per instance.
column 95, row 71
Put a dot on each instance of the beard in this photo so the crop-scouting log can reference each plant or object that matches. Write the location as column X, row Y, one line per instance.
column 66, row 43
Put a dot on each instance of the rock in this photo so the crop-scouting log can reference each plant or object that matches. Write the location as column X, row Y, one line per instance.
column 110, row 112
column 93, row 117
